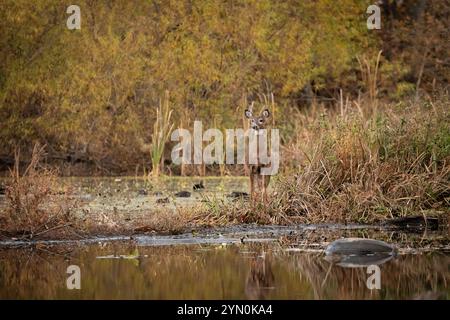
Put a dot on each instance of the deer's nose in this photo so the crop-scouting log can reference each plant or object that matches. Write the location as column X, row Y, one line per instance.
column 255, row 127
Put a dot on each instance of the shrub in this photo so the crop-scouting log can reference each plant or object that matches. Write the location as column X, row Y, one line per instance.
column 35, row 202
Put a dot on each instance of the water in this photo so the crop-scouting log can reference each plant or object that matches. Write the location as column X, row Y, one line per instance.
column 244, row 262
column 241, row 262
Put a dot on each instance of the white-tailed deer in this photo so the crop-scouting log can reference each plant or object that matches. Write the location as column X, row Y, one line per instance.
column 258, row 181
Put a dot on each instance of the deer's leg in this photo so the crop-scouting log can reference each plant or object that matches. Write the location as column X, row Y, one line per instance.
column 266, row 185
column 252, row 187
column 264, row 194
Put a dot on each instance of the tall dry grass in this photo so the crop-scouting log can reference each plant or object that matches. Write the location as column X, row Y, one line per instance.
column 367, row 168
column 351, row 164
column 35, row 202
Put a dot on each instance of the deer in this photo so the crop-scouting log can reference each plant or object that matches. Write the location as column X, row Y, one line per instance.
column 257, row 179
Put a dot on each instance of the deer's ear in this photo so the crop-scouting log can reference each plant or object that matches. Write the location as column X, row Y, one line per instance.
column 248, row 113
column 266, row 113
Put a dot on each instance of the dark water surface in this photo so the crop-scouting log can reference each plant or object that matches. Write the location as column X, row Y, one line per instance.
column 234, row 263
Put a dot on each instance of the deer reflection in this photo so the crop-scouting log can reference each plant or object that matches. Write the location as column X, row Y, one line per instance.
column 260, row 279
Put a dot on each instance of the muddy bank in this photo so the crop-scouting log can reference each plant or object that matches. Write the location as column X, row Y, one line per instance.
column 290, row 238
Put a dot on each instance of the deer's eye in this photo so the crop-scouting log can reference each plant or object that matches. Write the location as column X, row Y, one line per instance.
column 260, row 121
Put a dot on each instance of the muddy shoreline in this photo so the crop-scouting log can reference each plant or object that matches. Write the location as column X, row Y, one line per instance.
column 126, row 208
column 296, row 238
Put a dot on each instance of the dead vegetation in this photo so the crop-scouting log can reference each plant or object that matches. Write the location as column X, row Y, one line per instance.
column 36, row 203
column 38, row 206
column 345, row 164
column 351, row 164
column 164, row 221
column 364, row 167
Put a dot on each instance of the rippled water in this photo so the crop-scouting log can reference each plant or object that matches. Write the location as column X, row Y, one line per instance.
column 234, row 263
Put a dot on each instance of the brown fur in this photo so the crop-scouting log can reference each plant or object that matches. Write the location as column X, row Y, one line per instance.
column 258, row 182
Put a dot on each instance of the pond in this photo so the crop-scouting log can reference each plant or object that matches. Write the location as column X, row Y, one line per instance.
column 242, row 262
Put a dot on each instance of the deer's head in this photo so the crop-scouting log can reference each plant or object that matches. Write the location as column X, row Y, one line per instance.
column 257, row 122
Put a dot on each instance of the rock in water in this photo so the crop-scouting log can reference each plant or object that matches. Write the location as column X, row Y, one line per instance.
column 238, row 194
column 358, row 246
column 162, row 200
column 142, row 192
column 198, row 186
column 183, row 194
column 359, row 252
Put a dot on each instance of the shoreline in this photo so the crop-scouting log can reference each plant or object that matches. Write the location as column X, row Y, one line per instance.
column 231, row 233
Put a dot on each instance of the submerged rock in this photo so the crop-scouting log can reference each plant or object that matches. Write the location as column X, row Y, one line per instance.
column 142, row 192
column 238, row 194
column 183, row 194
column 359, row 252
column 198, row 186
column 162, row 200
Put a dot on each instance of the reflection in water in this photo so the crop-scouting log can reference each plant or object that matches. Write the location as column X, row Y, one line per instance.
column 260, row 279
column 212, row 272
column 358, row 261
column 401, row 278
